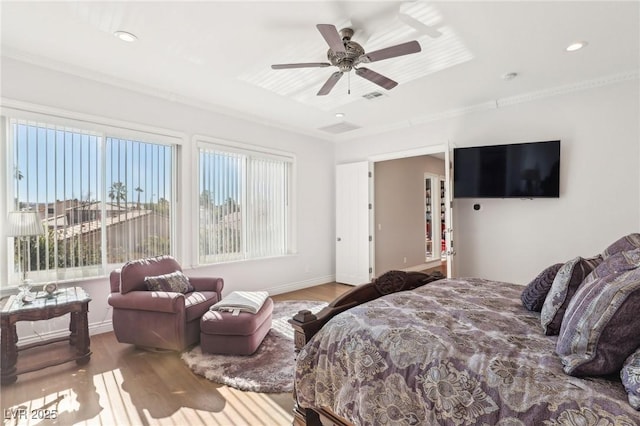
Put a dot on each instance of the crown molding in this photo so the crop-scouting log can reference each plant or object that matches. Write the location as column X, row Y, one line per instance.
column 139, row 88
column 569, row 88
column 497, row 103
column 317, row 134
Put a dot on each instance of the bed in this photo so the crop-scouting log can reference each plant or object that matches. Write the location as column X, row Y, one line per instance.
column 417, row 349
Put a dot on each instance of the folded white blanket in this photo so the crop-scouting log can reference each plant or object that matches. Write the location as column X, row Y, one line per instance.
column 242, row 301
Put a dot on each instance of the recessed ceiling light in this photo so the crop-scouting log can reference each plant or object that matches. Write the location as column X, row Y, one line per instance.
column 576, row 46
column 125, row 36
column 340, row 114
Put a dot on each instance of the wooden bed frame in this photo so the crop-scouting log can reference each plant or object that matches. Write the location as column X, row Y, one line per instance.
column 306, row 324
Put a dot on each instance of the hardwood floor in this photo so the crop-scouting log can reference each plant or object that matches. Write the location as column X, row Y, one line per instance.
column 122, row 385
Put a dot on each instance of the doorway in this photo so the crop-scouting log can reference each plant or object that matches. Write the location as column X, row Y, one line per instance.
column 408, row 213
column 367, row 245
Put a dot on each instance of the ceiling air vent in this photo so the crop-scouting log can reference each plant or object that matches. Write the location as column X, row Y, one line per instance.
column 339, row 128
column 372, row 95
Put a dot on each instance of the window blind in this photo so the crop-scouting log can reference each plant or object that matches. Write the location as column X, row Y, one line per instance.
column 102, row 200
column 244, row 204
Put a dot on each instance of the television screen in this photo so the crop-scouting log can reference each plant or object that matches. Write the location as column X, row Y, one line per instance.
column 523, row 170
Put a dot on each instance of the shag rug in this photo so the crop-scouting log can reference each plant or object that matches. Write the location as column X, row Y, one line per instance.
column 270, row 369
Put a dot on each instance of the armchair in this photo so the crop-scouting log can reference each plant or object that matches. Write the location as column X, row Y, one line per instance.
column 159, row 319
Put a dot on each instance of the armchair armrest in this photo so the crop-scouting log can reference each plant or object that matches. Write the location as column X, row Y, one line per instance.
column 208, row 284
column 154, row 301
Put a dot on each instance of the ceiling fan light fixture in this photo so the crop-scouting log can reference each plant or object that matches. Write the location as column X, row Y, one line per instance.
column 125, row 36
column 576, row 46
column 346, row 55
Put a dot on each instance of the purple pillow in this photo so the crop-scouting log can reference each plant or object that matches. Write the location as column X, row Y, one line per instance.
column 175, row 282
column 564, row 286
column 619, row 262
column 535, row 293
column 630, row 376
column 628, row 242
column 600, row 327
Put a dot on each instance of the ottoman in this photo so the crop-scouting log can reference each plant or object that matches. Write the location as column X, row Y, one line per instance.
column 228, row 334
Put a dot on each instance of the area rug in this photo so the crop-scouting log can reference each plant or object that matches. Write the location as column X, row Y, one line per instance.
column 270, row 369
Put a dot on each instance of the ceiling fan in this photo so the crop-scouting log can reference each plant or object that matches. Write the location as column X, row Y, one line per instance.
column 347, row 55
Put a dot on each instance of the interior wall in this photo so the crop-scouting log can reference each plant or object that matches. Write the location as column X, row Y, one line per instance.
column 314, row 261
column 512, row 239
column 399, row 210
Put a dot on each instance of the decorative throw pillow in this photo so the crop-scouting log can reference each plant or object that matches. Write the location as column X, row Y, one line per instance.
column 175, row 282
column 619, row 262
column 563, row 288
column 600, row 328
column 628, row 242
column 535, row 293
column 630, row 376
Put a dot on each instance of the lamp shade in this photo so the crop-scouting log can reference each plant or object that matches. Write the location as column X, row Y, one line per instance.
column 24, row 224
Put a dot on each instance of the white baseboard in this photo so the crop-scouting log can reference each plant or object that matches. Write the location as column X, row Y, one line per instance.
column 299, row 285
column 95, row 328
column 99, row 328
column 423, row 266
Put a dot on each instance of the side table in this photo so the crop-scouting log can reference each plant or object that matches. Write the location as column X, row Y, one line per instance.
column 73, row 301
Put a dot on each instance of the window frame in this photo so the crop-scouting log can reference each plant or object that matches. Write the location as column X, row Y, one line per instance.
column 103, row 128
column 212, row 143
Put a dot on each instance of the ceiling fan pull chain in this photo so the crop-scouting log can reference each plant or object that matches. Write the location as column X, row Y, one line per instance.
column 349, row 83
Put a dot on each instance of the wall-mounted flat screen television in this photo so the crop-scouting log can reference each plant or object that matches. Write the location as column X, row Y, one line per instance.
column 522, row 170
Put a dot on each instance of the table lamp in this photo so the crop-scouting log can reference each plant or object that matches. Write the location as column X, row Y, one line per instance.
column 24, row 224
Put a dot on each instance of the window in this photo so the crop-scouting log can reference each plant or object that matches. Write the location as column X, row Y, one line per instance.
column 102, row 199
column 139, row 190
column 245, row 206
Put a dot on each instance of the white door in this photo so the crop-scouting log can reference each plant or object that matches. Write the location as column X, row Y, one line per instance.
column 448, row 217
column 352, row 223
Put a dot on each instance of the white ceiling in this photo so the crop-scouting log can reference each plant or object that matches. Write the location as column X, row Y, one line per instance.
column 217, row 55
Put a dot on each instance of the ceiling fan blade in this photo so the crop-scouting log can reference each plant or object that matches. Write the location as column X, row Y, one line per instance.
column 393, row 51
column 302, row 65
column 332, row 37
column 419, row 26
column 328, row 85
column 376, row 78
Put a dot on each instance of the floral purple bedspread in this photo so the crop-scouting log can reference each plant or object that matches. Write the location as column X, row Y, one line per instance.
column 453, row 352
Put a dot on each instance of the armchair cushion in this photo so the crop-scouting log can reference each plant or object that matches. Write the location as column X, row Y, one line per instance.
column 175, row 281
column 198, row 302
